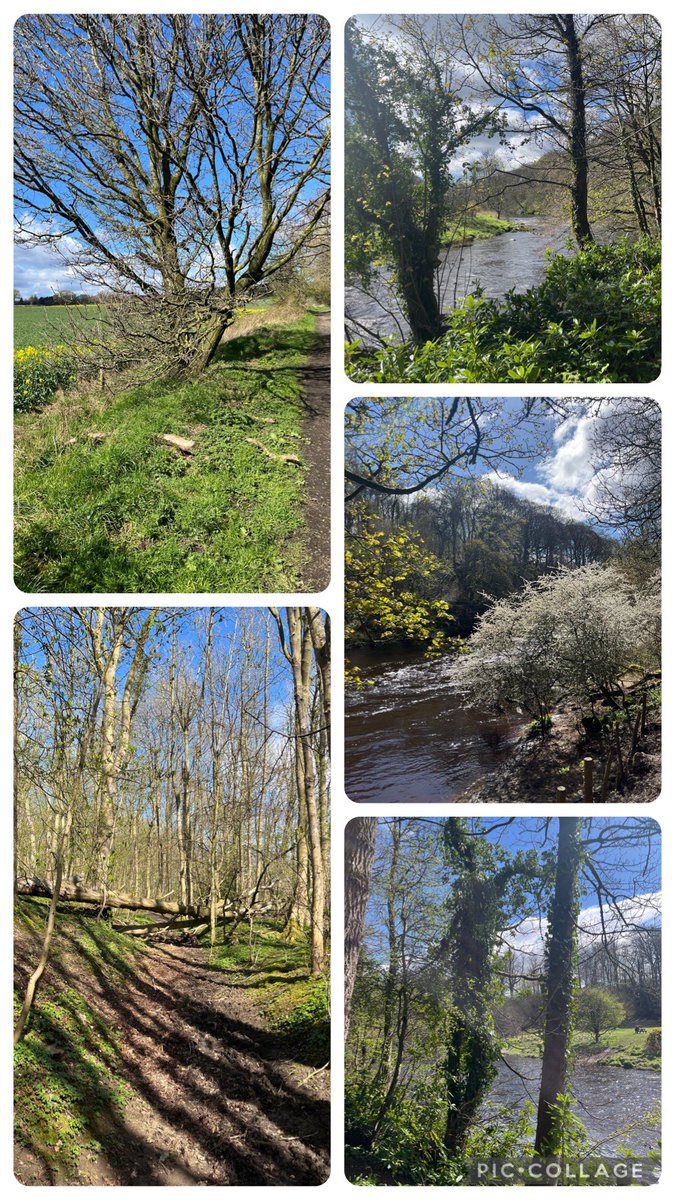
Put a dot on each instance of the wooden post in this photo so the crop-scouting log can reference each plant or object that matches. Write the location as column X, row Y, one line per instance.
column 635, row 736
column 606, row 774
column 561, row 794
column 588, row 780
column 619, row 758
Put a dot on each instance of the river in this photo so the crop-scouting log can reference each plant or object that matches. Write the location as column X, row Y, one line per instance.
column 410, row 738
column 607, row 1099
column 507, row 260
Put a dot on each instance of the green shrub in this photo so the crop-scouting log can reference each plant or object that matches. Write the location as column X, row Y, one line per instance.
column 39, row 371
column 653, row 1043
column 595, row 318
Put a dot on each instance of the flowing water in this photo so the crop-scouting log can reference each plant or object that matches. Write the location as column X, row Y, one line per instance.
column 607, row 1099
column 410, row 736
column 508, row 260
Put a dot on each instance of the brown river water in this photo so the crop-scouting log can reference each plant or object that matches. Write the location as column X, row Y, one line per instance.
column 410, row 737
column 508, row 260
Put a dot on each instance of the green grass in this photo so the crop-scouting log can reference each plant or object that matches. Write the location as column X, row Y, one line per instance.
column 276, row 973
column 627, row 1046
column 65, row 1068
column 128, row 514
column 49, row 324
column 474, row 227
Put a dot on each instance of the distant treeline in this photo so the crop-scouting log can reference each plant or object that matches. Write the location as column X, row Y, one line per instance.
column 59, row 298
column 487, row 540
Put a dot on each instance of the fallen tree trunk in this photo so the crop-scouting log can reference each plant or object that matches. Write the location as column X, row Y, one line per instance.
column 76, row 894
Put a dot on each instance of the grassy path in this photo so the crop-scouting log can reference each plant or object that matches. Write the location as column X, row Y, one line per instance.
column 315, row 570
column 122, row 512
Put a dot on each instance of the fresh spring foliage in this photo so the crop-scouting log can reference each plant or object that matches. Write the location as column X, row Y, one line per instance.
column 391, row 585
column 594, row 319
column 569, row 634
column 39, row 372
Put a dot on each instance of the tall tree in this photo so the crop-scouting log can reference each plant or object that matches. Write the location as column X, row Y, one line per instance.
column 176, row 160
column 406, row 122
column 537, row 65
column 560, row 976
column 360, row 840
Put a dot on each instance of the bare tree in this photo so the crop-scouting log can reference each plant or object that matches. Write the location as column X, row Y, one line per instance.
column 177, row 161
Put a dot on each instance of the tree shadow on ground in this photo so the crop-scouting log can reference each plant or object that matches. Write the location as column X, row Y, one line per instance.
column 221, row 1103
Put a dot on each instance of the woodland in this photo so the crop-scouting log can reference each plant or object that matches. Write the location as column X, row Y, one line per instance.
column 502, row 990
column 538, row 132
column 502, row 571
column 171, row 879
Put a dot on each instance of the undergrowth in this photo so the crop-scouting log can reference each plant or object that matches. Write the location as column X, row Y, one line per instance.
column 122, row 512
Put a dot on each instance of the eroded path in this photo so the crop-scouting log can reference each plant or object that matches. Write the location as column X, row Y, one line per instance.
column 218, row 1097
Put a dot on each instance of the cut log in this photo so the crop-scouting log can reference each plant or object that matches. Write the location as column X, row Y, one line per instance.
column 287, row 458
column 185, row 445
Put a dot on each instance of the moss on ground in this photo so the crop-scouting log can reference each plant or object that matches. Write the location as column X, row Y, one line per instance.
column 65, row 1068
column 277, row 973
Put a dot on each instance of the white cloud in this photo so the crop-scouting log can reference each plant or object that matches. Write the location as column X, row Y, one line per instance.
column 529, row 936
column 538, row 493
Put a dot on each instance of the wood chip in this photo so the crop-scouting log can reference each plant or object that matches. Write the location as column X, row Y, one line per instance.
column 98, row 437
column 287, row 458
column 185, row 445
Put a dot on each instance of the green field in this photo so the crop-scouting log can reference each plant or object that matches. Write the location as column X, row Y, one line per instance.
column 123, row 512
column 49, row 324
column 620, row 1047
column 474, row 227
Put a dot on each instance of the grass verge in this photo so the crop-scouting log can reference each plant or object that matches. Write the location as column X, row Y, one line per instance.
column 276, row 972
column 65, row 1068
column 123, row 512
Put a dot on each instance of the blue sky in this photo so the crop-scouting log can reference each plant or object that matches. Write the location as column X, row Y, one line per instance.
column 557, row 461
column 632, row 869
column 43, row 269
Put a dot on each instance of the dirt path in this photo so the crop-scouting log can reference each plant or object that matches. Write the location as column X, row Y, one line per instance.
column 315, row 569
column 218, row 1097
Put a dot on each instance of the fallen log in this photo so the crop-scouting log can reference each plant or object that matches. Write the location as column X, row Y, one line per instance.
column 77, row 894
column 72, row 893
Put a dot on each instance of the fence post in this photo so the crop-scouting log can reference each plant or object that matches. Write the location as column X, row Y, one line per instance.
column 606, row 773
column 588, row 780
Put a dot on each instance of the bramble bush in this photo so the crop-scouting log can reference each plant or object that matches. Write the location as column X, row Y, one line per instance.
column 39, row 371
column 595, row 318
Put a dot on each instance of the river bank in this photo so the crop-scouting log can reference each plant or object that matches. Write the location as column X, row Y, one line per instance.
column 411, row 738
column 516, row 259
column 619, row 1047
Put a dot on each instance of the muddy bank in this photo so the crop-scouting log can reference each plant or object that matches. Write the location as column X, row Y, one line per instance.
column 538, row 767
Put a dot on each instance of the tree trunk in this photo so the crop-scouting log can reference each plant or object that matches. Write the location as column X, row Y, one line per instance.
column 578, row 146
column 360, row 839
column 559, row 986
column 76, row 894
column 63, row 834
